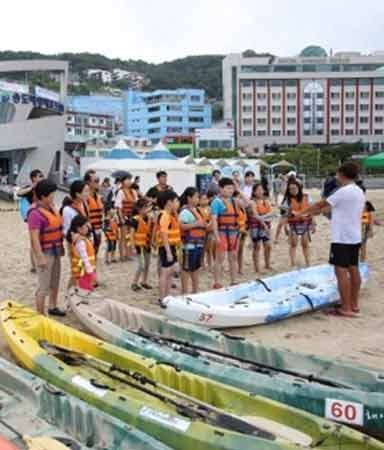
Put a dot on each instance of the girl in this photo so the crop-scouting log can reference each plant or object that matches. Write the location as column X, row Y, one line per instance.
column 82, row 252
column 299, row 227
column 209, row 247
column 242, row 219
column 367, row 222
column 193, row 228
column 126, row 198
column 259, row 226
column 111, row 231
column 141, row 229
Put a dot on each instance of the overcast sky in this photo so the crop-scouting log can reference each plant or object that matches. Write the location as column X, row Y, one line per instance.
column 160, row 30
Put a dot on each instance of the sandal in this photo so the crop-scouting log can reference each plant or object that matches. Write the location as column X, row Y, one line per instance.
column 135, row 287
column 146, row 286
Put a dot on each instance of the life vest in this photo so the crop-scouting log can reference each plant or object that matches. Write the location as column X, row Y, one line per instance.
column 129, row 200
column 367, row 218
column 95, row 208
column 242, row 219
column 51, row 237
column 77, row 265
column 228, row 221
column 111, row 230
column 207, row 217
column 174, row 234
column 296, row 206
column 195, row 235
column 142, row 235
column 262, row 208
column 81, row 207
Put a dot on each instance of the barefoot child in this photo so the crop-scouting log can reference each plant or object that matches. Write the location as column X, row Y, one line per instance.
column 142, row 226
column 259, row 227
column 242, row 220
column 169, row 239
column 83, row 259
column 111, row 231
column 193, row 228
column 226, row 231
column 209, row 249
column 367, row 220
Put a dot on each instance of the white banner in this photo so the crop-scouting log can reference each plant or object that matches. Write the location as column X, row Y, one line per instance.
column 14, row 87
column 45, row 93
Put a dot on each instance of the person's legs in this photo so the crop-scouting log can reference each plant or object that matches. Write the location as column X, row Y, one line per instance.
column 306, row 249
column 55, row 282
column 293, row 241
column 256, row 256
column 363, row 252
column 232, row 260
column 267, row 254
column 147, row 263
column 44, row 282
column 33, row 265
column 344, row 286
column 240, row 255
column 217, row 270
column 195, row 281
column 355, row 281
column 123, row 243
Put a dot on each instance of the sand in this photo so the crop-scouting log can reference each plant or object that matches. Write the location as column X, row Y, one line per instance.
column 360, row 340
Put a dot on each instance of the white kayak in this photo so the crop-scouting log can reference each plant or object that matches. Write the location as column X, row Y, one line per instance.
column 260, row 301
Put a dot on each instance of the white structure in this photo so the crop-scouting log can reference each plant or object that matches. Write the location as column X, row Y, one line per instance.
column 105, row 76
column 217, row 137
column 313, row 98
column 180, row 174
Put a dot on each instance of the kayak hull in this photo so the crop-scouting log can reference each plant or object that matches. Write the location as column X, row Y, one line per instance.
column 121, row 325
column 25, row 332
column 260, row 302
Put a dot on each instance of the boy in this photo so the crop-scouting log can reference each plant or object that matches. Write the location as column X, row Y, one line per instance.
column 169, row 239
column 111, row 231
column 226, row 230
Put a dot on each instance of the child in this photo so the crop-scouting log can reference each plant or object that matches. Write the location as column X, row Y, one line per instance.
column 299, row 227
column 259, row 228
column 205, row 211
column 226, row 230
column 169, row 239
column 111, row 231
column 141, row 226
column 193, row 228
column 242, row 220
column 367, row 221
column 83, row 260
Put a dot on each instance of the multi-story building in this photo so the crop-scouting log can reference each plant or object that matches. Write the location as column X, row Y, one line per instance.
column 105, row 76
column 222, row 136
column 87, row 125
column 313, row 98
column 97, row 104
column 165, row 113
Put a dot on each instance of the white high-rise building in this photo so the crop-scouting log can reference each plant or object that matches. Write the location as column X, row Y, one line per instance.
column 313, row 98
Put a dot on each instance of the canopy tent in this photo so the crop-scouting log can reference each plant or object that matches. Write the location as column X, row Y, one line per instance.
column 283, row 163
column 122, row 151
column 374, row 161
column 160, row 151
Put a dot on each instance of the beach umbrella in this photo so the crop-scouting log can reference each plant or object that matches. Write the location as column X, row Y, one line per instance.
column 374, row 161
column 121, row 174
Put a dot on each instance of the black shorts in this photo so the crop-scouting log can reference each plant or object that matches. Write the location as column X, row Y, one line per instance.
column 163, row 257
column 111, row 246
column 344, row 255
column 192, row 258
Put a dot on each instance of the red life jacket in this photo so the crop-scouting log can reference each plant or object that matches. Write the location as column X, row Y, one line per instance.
column 129, row 200
column 95, row 207
column 296, row 206
column 51, row 237
column 195, row 235
column 262, row 209
column 228, row 221
column 81, row 207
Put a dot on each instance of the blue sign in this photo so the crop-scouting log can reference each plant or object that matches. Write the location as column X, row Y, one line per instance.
column 38, row 102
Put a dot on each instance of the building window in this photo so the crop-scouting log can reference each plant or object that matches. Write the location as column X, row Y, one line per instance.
column 336, row 82
column 78, row 131
column 307, row 120
column 153, row 109
column 69, row 118
column 377, row 131
column 335, row 95
column 364, row 94
column 352, row 107
column 153, row 119
column 291, row 132
column 247, row 133
column 379, row 81
column 247, row 97
column 335, row 132
column 291, row 108
column 291, row 121
column 171, row 130
column 349, row 120
column 291, row 83
column 195, row 98
column 335, row 120
column 320, row 108
column 379, row 119
column 194, row 119
column 364, row 107
column 261, row 133
column 276, row 96
column 69, row 130
column 335, row 107
column 378, row 107
column 307, row 132
column 191, row 108
column 277, row 109
column 364, row 119
column 291, row 96
column 364, row 131
column 349, row 132
column 247, row 121
column 319, row 95
column 320, row 120
column 276, row 133
column 246, row 83
column 276, row 83
column 261, row 108
column 307, row 107
column 276, row 121
column 379, row 94
column 261, row 121
column 247, row 109
column 307, row 95
column 350, row 95
column 175, row 119
column 261, row 96
column 261, row 83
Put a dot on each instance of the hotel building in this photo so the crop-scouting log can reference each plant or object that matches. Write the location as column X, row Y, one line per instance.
column 310, row 99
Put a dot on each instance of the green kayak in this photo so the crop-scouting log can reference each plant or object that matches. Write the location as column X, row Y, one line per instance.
column 336, row 390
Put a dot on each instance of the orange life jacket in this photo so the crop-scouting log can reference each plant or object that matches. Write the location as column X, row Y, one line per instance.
column 296, row 206
column 129, row 200
column 95, row 207
column 77, row 265
column 174, row 233
column 142, row 235
column 228, row 221
column 81, row 207
column 262, row 208
column 367, row 218
column 51, row 237
column 242, row 219
column 111, row 230
column 207, row 217
column 195, row 235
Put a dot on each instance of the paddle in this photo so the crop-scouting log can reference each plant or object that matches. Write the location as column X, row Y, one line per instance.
column 186, row 405
column 194, row 350
column 40, row 443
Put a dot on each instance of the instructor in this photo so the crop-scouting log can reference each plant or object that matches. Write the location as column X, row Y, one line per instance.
column 347, row 205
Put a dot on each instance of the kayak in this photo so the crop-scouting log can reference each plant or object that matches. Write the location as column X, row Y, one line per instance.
column 182, row 410
column 38, row 416
column 261, row 301
column 311, row 383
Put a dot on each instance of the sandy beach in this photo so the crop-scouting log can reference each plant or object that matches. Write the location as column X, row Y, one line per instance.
column 360, row 340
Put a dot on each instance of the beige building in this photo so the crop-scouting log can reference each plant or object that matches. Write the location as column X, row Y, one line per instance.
column 313, row 98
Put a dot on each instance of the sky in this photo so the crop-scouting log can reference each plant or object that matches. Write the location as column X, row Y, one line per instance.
column 162, row 30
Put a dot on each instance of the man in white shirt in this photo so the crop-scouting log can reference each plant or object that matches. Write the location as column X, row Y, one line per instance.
column 347, row 205
column 249, row 182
